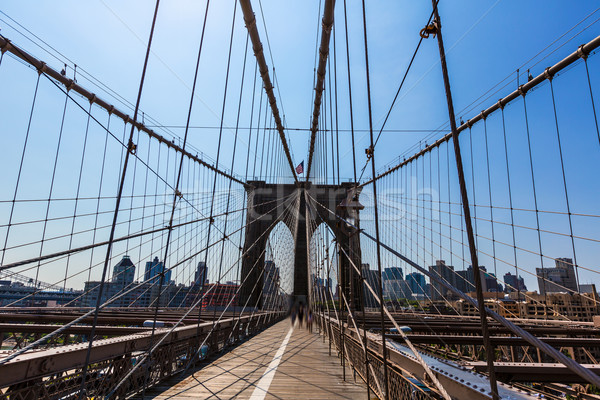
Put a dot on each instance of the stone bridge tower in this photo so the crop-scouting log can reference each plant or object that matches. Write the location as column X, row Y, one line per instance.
column 266, row 202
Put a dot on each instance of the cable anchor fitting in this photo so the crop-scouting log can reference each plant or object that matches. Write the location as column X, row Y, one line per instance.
column 581, row 53
column 4, row 49
column 369, row 151
column 431, row 29
column 522, row 90
column 42, row 69
column 131, row 147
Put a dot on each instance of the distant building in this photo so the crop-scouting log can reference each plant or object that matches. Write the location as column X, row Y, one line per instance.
column 18, row 290
column 557, row 306
column 561, row 278
column 372, row 278
column 137, row 295
column 129, row 294
column 446, row 273
column 221, row 295
column 17, row 294
column 396, row 289
column 124, row 271
column 153, row 270
column 187, row 296
column 490, row 282
column 416, row 282
column 271, row 281
column 464, row 280
column 589, row 288
column 512, row 283
column 177, row 295
column 392, row 273
column 201, row 274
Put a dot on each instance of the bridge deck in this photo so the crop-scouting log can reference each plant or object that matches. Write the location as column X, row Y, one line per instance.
column 266, row 368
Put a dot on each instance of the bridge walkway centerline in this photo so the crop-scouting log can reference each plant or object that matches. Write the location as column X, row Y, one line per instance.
column 305, row 370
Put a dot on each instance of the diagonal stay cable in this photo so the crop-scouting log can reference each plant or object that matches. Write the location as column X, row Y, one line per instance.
column 105, row 304
column 250, row 20
column 160, row 341
column 571, row 364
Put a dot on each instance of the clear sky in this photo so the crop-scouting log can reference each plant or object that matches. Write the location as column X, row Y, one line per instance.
column 486, row 41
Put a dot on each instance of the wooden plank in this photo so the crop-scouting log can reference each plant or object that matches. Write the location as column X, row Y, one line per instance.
column 306, row 371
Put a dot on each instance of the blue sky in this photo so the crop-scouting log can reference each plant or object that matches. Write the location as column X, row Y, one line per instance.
column 485, row 42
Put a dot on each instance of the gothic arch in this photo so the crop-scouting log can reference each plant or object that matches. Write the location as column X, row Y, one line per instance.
column 267, row 202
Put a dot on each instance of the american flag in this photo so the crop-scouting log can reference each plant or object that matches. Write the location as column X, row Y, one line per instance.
column 300, row 168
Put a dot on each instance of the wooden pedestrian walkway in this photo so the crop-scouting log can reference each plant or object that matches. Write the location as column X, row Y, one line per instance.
column 279, row 363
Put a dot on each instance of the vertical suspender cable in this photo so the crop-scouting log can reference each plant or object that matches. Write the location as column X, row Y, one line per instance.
column 219, row 145
column 512, row 216
column 118, row 203
column 337, row 137
column 12, row 207
column 564, row 179
column 535, row 202
column 257, row 134
column 177, row 194
column 237, row 124
column 321, row 71
column 250, row 21
column 98, row 201
column 349, row 90
column 375, row 209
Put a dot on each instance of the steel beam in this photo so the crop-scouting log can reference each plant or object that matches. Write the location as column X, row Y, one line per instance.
column 536, row 372
column 38, row 364
column 495, row 340
column 572, row 365
column 102, row 330
column 451, row 376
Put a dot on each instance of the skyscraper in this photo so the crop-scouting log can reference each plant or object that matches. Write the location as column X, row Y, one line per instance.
column 392, row 273
column 124, row 271
column 464, row 280
column 491, row 283
column 271, row 280
column 372, row 278
column 201, row 274
column 153, row 271
column 512, row 283
column 416, row 282
column 446, row 273
column 392, row 283
column 561, row 278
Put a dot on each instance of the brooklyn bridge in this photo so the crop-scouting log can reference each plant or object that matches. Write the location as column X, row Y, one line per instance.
column 169, row 230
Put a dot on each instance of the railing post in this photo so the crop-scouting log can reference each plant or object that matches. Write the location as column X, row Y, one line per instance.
column 364, row 328
column 341, row 327
column 467, row 212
